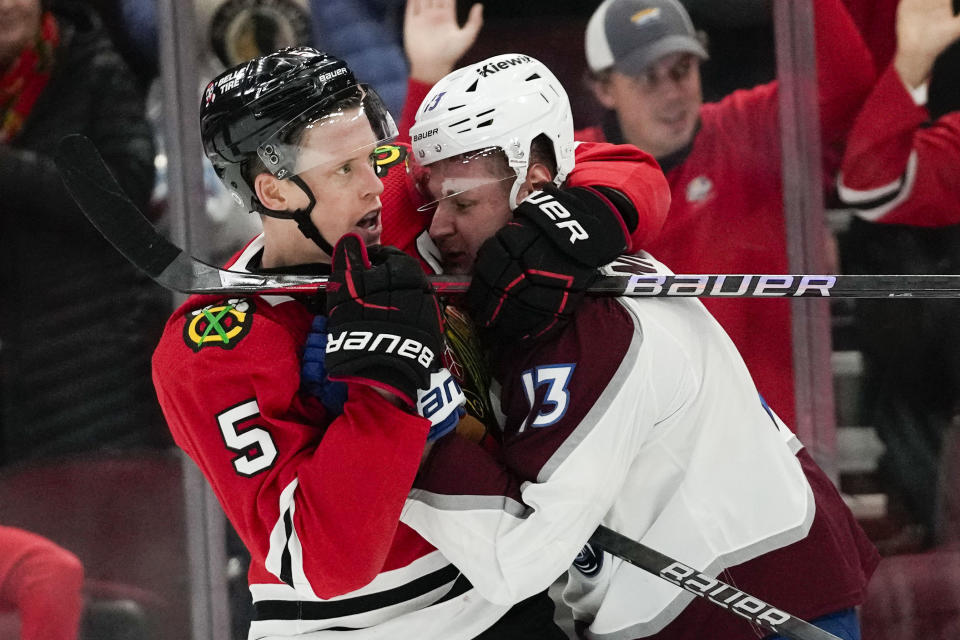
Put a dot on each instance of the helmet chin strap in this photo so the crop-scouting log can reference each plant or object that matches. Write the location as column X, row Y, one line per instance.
column 302, row 217
column 515, row 189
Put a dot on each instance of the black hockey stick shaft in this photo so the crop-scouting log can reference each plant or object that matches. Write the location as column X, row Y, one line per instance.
column 103, row 201
column 118, row 219
column 719, row 593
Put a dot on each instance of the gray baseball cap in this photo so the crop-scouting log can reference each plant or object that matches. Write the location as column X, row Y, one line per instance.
column 630, row 35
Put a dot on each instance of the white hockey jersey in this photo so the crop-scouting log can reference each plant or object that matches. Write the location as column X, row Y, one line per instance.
column 641, row 416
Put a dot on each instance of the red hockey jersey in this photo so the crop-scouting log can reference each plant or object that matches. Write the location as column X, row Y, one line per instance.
column 316, row 499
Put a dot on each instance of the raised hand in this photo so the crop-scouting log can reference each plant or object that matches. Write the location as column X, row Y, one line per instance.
column 432, row 38
column 924, row 29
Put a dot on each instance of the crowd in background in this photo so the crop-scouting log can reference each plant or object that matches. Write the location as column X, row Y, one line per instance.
column 78, row 323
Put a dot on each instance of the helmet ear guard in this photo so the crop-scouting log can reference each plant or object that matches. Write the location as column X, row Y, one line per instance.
column 505, row 101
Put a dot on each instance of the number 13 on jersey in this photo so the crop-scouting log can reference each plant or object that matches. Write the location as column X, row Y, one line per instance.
column 556, row 398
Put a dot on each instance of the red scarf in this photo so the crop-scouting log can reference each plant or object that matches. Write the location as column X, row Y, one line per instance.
column 25, row 79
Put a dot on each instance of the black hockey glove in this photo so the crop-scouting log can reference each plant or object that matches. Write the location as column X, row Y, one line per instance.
column 383, row 321
column 530, row 277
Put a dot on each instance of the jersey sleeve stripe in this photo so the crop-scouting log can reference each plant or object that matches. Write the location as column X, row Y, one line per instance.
column 285, row 557
column 324, row 610
column 873, row 204
column 469, row 503
column 286, row 569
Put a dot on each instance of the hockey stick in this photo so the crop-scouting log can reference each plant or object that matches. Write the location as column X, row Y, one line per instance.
column 720, row 593
column 118, row 219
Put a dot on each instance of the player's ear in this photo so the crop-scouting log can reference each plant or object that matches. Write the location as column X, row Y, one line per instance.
column 538, row 175
column 271, row 192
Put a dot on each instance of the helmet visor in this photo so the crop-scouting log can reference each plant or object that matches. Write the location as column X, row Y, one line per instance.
column 324, row 137
column 463, row 176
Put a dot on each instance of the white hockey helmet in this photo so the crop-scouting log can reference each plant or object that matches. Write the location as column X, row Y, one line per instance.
column 504, row 102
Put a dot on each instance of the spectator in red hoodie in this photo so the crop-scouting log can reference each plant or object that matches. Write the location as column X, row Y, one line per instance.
column 722, row 159
column 42, row 583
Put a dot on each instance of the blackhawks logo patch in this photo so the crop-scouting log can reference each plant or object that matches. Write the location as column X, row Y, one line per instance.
column 464, row 358
column 221, row 325
column 388, row 155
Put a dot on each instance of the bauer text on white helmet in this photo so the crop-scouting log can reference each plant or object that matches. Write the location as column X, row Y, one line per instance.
column 505, row 101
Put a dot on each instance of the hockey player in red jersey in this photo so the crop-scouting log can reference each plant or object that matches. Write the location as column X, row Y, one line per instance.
column 637, row 414
column 313, row 477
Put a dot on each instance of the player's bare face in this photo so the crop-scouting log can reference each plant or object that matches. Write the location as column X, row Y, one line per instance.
column 19, row 23
column 466, row 214
column 342, row 178
column 658, row 109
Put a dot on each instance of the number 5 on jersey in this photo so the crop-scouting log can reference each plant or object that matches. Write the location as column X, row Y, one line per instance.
column 254, row 443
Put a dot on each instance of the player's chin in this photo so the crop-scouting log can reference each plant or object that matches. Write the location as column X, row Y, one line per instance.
column 684, row 130
column 457, row 264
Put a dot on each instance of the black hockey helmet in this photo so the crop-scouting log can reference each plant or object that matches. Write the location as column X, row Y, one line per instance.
column 254, row 112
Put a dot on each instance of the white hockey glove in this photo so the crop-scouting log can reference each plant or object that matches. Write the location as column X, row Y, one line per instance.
column 442, row 404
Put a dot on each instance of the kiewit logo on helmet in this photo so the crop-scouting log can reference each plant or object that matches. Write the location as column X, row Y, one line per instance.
column 494, row 67
column 382, row 342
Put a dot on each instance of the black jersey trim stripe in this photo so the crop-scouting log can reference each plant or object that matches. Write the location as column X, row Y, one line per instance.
column 873, row 204
column 460, row 587
column 286, row 559
column 876, row 203
column 309, row 610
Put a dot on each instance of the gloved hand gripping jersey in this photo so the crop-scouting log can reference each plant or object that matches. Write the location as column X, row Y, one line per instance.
column 529, row 278
column 384, row 330
column 383, row 320
column 313, row 369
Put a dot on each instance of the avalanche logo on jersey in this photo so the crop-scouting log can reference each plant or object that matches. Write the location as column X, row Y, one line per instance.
column 221, row 325
column 388, row 155
column 555, row 378
column 588, row 562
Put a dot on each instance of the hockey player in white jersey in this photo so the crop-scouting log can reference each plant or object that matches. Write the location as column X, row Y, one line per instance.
column 637, row 414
